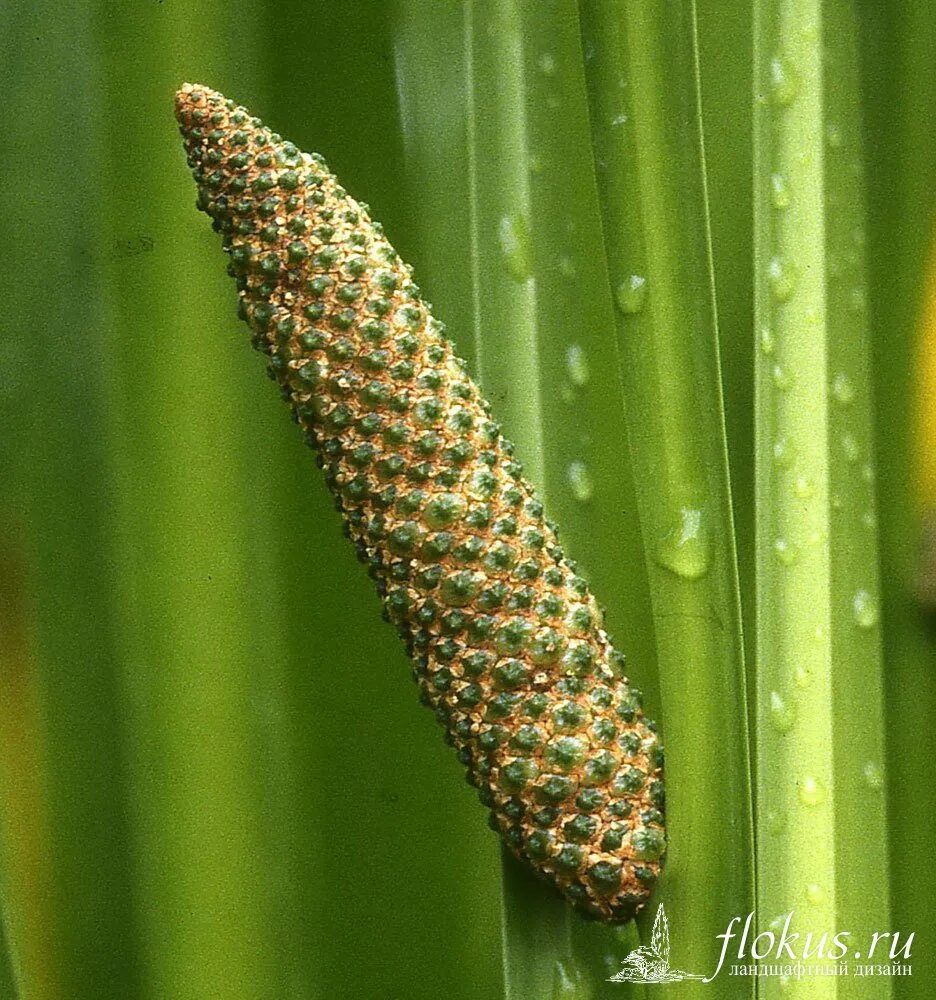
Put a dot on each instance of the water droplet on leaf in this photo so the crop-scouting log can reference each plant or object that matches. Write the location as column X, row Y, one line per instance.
column 784, row 453
column 843, row 389
column 566, row 267
column 569, row 981
column 767, row 343
column 782, row 712
column 802, row 677
column 784, row 85
column 815, row 894
column 514, row 233
column 779, row 192
column 850, row 447
column 686, row 549
column 865, row 609
column 811, row 791
column 547, row 64
column 782, row 278
column 631, row 294
column 580, row 481
column 856, row 299
column 786, row 552
column 782, row 378
column 804, row 487
column 577, row 365
column 874, row 775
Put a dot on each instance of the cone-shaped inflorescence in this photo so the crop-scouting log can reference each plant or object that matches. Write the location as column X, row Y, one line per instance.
column 506, row 639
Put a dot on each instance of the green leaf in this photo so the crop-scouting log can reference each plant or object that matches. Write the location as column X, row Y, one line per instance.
column 820, row 755
column 899, row 91
column 65, row 846
column 195, row 651
column 646, row 127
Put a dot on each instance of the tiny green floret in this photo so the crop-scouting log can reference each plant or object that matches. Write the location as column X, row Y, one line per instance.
column 507, row 642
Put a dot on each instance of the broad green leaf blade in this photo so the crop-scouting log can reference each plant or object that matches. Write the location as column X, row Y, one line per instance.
column 898, row 96
column 646, row 128
column 508, row 230
column 820, row 730
column 188, row 544
column 65, row 845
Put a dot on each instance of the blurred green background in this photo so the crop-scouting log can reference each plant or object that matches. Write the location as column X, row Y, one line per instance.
column 216, row 777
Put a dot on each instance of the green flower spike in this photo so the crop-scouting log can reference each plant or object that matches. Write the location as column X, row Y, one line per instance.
column 506, row 639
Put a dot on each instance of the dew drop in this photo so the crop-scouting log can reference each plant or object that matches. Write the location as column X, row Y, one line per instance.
column 850, row 447
column 782, row 712
column 786, row 552
column 782, row 378
column 577, row 365
column 865, row 609
column 873, row 775
column 566, row 267
column 569, row 982
column 776, row 821
column 804, row 487
column 784, row 452
column 815, row 894
column 580, row 481
column 631, row 294
column 784, row 85
column 782, row 278
column 767, row 343
column 811, row 791
column 843, row 389
column 779, row 192
column 686, row 549
column 514, row 233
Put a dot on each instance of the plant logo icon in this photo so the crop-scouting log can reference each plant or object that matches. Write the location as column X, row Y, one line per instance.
column 650, row 963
